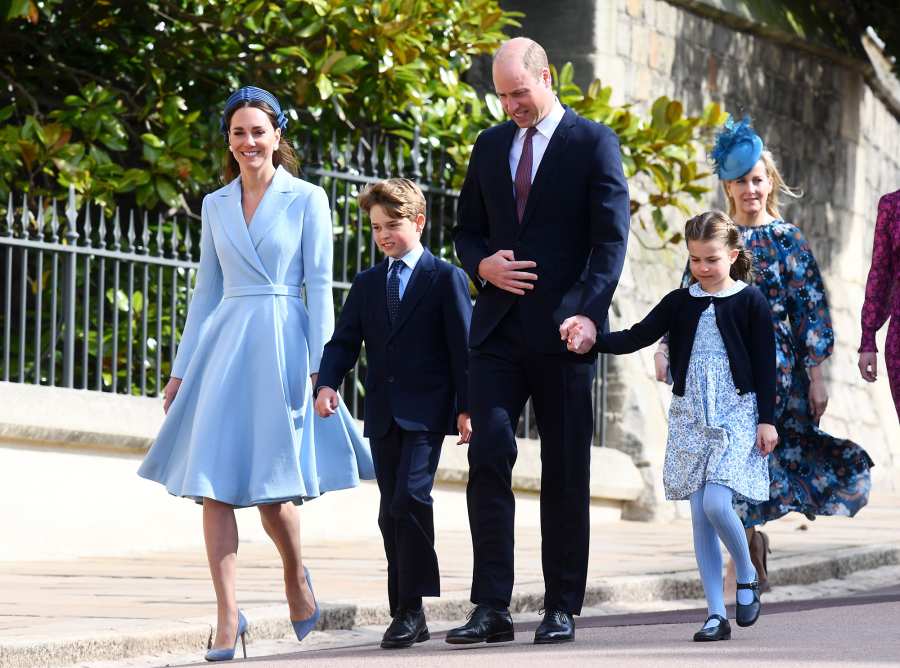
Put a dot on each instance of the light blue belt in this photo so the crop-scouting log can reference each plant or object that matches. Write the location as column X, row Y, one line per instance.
column 262, row 289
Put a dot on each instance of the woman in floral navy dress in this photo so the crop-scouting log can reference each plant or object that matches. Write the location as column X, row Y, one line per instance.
column 811, row 472
column 883, row 297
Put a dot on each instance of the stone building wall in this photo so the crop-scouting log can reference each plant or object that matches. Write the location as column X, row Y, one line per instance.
column 834, row 139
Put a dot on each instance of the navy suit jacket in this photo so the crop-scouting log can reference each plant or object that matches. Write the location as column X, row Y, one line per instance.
column 416, row 371
column 575, row 228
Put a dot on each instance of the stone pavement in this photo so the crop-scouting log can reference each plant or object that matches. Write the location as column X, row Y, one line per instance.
column 128, row 575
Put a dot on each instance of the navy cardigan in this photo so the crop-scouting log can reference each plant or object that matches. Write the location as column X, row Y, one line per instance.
column 745, row 323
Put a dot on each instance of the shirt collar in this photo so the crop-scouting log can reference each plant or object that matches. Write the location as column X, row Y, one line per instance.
column 736, row 287
column 548, row 123
column 411, row 258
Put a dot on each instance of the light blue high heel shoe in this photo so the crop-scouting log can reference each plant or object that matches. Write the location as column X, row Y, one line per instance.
column 304, row 626
column 227, row 654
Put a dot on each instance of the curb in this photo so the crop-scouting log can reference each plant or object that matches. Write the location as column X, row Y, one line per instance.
column 270, row 623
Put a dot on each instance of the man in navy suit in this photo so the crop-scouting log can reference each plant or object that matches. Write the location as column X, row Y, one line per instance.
column 543, row 223
column 412, row 311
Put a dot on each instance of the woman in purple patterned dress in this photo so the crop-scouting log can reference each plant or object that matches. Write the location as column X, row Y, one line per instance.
column 811, row 472
column 883, row 297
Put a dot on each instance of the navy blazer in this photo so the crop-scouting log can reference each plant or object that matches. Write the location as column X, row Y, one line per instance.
column 575, row 228
column 416, row 371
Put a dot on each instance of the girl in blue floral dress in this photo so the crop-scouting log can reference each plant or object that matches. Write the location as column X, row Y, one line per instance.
column 811, row 472
column 721, row 420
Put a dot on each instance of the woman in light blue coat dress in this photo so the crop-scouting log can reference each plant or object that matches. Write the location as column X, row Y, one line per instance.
column 240, row 429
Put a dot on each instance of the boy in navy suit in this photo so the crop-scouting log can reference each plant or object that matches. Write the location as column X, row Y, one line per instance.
column 412, row 311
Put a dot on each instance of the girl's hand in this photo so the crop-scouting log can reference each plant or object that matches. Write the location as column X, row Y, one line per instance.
column 818, row 397
column 868, row 366
column 766, row 438
column 169, row 393
column 464, row 427
column 661, row 362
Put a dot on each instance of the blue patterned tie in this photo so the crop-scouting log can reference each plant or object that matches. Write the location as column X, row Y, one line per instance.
column 393, row 290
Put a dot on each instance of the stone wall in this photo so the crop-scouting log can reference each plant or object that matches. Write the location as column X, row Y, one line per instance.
column 834, row 139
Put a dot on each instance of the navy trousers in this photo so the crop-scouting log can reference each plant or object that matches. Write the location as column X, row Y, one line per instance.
column 503, row 374
column 405, row 464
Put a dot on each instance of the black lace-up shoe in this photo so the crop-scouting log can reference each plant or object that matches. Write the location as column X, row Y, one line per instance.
column 407, row 629
column 557, row 626
column 485, row 624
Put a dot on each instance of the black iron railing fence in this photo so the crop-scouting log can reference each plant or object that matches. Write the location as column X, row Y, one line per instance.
column 96, row 299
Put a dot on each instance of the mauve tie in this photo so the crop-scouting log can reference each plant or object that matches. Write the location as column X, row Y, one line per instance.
column 523, row 174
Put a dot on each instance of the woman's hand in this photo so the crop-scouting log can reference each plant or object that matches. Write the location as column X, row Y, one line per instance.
column 868, row 366
column 464, row 427
column 818, row 393
column 766, row 438
column 661, row 362
column 169, row 393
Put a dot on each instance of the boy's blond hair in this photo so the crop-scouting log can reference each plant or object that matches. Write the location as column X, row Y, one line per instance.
column 401, row 198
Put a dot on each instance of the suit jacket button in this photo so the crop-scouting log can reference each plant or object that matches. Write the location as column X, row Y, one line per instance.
column 390, row 379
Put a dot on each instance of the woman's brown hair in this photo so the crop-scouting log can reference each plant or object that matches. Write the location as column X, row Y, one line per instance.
column 284, row 156
column 717, row 226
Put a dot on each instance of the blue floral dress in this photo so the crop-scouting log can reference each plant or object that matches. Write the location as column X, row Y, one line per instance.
column 712, row 428
column 811, row 472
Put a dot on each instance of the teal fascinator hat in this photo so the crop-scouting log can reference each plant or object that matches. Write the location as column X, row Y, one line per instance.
column 737, row 149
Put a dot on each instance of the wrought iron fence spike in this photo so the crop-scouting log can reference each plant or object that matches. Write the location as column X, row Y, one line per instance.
column 188, row 242
column 72, row 216
column 173, row 237
column 145, row 234
column 116, row 231
column 39, row 228
column 129, row 233
column 102, row 232
column 54, row 223
column 429, row 164
column 400, row 161
column 415, row 155
column 88, row 226
column 160, row 237
column 10, row 218
column 386, row 158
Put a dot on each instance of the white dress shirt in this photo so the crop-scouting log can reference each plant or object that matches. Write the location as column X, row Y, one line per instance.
column 539, row 141
column 409, row 263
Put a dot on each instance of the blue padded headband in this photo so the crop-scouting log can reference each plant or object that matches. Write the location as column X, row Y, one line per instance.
column 252, row 94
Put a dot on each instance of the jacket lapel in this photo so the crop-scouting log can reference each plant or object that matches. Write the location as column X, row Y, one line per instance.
column 228, row 205
column 553, row 154
column 508, row 193
column 274, row 202
column 419, row 283
column 379, row 299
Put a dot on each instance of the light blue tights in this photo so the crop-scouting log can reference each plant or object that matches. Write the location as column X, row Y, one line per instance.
column 713, row 517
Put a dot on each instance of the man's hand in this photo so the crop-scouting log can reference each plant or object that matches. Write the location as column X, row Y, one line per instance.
column 464, row 427
column 868, row 366
column 766, row 438
column 169, row 392
column 504, row 271
column 326, row 402
column 579, row 332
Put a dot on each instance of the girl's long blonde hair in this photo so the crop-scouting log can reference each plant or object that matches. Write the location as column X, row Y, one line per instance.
column 715, row 225
column 778, row 186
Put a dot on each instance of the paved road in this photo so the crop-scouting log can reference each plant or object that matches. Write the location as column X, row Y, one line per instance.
column 855, row 630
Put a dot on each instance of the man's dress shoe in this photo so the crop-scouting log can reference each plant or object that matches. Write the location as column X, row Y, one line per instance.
column 407, row 629
column 720, row 632
column 485, row 624
column 557, row 626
